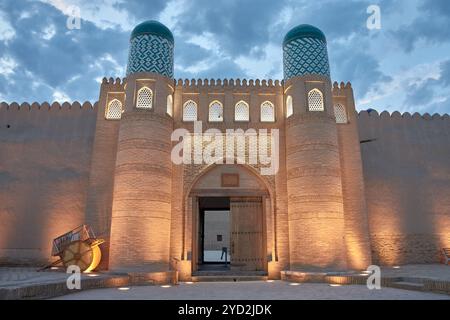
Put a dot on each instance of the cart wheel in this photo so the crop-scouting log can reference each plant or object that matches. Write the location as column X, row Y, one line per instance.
column 81, row 254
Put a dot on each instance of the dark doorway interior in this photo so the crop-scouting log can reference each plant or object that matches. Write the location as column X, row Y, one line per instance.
column 214, row 233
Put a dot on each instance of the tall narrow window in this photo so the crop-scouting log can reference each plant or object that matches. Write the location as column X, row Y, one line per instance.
column 340, row 113
column 267, row 112
column 241, row 111
column 289, row 107
column 190, row 111
column 144, row 98
column 215, row 112
column 169, row 105
column 114, row 110
column 315, row 100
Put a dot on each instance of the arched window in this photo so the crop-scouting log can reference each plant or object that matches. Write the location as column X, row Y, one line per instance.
column 289, row 107
column 315, row 100
column 144, row 98
column 241, row 111
column 267, row 112
column 190, row 111
column 215, row 112
column 340, row 113
column 114, row 110
column 169, row 105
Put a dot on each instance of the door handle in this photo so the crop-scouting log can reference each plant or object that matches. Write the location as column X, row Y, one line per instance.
column 232, row 247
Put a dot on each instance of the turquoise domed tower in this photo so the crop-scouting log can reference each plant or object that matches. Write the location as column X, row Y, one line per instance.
column 314, row 183
column 305, row 52
column 143, row 172
column 151, row 49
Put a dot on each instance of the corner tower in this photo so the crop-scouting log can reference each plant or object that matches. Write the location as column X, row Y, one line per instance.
column 141, row 212
column 314, row 184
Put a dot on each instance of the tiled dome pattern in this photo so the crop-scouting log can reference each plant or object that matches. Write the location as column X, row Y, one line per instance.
column 150, row 53
column 305, row 56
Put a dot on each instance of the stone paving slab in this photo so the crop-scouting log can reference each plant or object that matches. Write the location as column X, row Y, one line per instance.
column 260, row 290
column 427, row 271
column 20, row 283
column 28, row 283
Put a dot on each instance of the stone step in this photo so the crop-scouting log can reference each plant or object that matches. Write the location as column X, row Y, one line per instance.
column 229, row 278
column 408, row 285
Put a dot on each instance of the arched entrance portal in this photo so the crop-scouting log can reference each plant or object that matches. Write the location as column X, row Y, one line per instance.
column 231, row 213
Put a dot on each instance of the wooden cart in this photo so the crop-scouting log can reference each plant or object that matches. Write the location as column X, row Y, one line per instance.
column 77, row 247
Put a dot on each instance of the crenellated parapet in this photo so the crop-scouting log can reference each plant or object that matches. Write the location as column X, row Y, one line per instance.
column 117, row 84
column 224, row 84
column 374, row 115
column 341, row 89
column 25, row 106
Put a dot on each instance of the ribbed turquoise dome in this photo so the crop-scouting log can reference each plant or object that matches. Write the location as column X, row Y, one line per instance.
column 152, row 27
column 304, row 31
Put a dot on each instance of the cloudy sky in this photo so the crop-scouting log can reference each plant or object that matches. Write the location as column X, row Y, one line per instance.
column 403, row 66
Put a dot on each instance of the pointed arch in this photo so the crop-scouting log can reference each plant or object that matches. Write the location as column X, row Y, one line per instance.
column 114, row 110
column 340, row 113
column 169, row 105
column 315, row 100
column 242, row 111
column 215, row 113
column 267, row 112
column 144, row 98
column 289, row 107
column 190, row 111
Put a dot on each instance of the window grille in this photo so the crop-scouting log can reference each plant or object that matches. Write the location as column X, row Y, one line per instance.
column 114, row 110
column 241, row 111
column 267, row 112
column 215, row 112
column 190, row 111
column 315, row 100
column 144, row 98
column 340, row 113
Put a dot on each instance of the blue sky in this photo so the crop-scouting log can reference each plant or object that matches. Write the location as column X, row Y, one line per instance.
column 403, row 66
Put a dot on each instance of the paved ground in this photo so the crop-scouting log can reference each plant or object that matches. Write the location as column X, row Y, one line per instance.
column 29, row 276
column 24, row 277
column 278, row 290
column 428, row 271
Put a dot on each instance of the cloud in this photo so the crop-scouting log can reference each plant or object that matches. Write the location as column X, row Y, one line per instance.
column 358, row 66
column 7, row 66
column 104, row 14
column 445, row 73
column 47, row 54
column 420, row 94
column 432, row 25
column 236, row 26
column 43, row 60
column 60, row 96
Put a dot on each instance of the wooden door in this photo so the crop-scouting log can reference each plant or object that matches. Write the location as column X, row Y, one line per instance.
column 246, row 234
